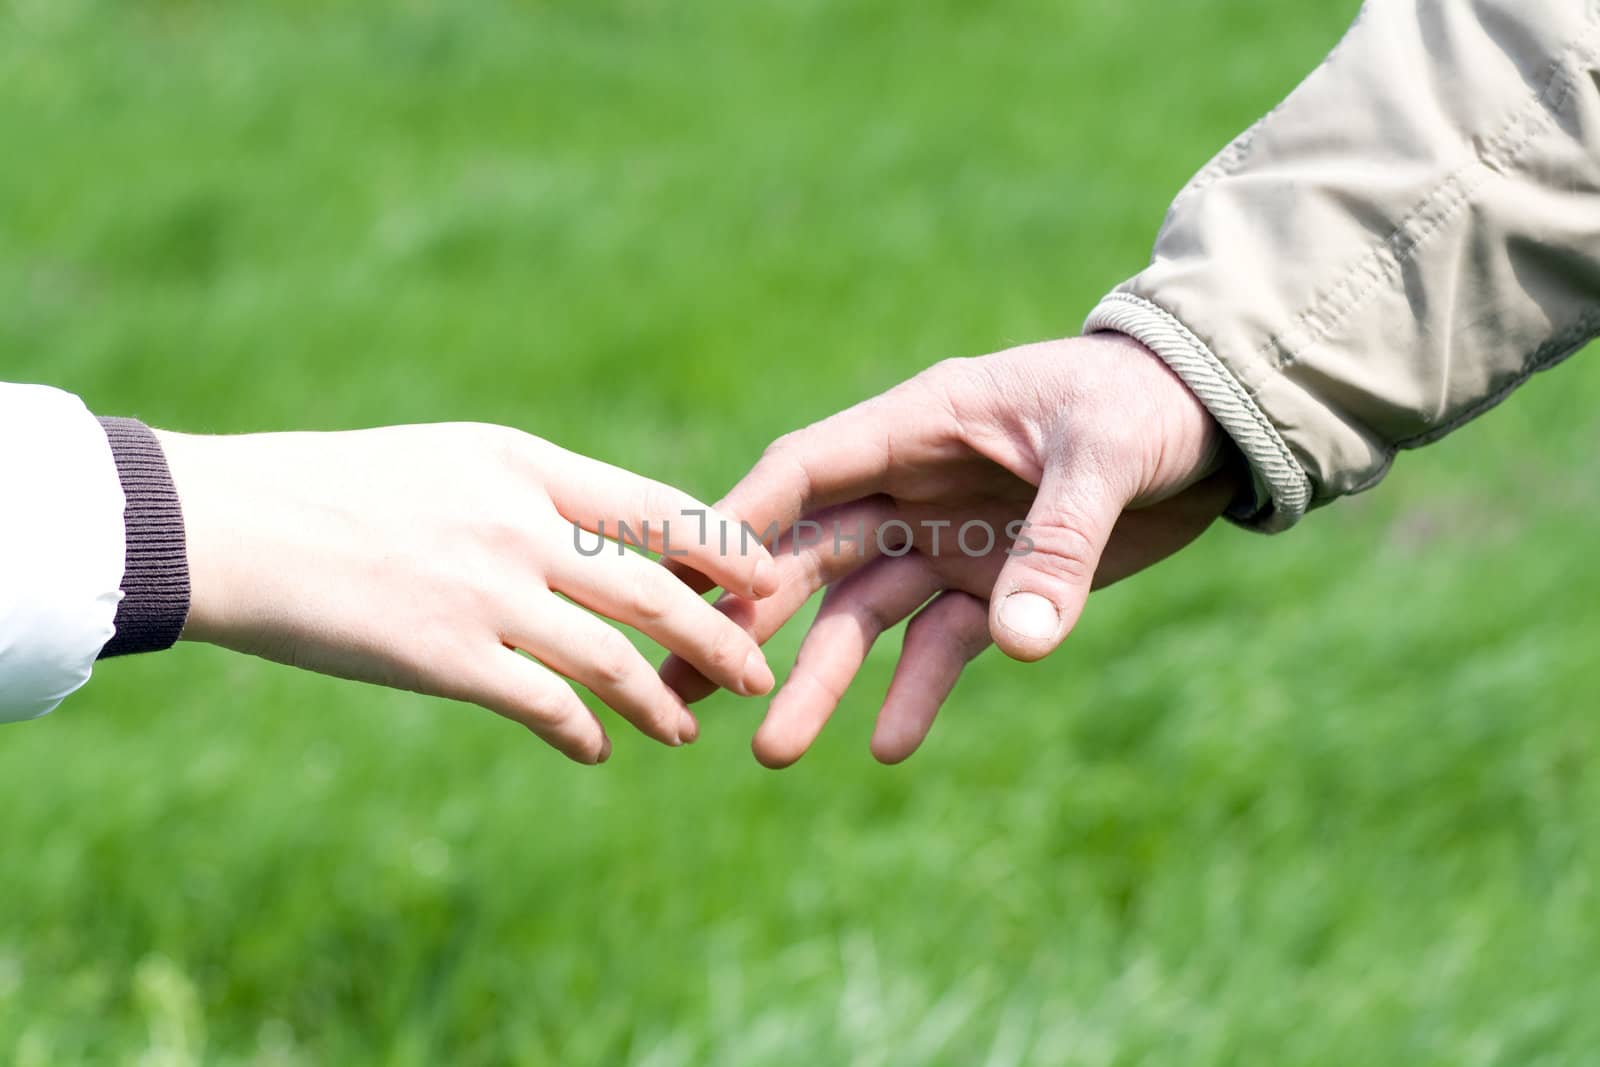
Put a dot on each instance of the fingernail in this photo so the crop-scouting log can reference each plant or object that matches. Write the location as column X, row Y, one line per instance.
column 605, row 750
column 1030, row 615
column 688, row 729
column 766, row 578
column 757, row 675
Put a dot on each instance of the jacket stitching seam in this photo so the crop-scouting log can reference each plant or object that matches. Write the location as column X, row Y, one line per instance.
column 1501, row 150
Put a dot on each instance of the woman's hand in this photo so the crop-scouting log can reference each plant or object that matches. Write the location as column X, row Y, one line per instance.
column 424, row 557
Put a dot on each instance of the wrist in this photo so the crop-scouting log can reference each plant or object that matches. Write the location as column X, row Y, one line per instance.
column 1180, row 442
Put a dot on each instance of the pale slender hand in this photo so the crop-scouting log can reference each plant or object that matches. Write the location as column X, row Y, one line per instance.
column 424, row 557
column 1111, row 460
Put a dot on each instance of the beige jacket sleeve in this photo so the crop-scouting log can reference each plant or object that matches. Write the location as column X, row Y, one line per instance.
column 1390, row 252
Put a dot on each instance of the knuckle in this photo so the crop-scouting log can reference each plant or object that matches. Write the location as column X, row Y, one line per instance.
column 947, row 370
column 727, row 651
column 656, row 502
column 1066, row 553
column 951, row 634
column 972, row 635
column 784, row 446
column 546, row 711
column 935, row 628
column 662, row 720
column 507, row 444
column 788, row 460
column 874, row 617
column 788, row 453
column 871, row 618
column 649, row 599
column 503, row 537
column 945, row 390
column 613, row 659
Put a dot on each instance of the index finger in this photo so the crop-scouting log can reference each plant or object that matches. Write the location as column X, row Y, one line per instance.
column 844, row 457
column 841, row 458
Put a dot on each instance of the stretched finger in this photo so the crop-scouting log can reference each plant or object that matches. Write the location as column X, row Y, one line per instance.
column 631, row 589
column 853, row 614
column 940, row 641
column 607, row 501
column 526, row 692
column 574, row 643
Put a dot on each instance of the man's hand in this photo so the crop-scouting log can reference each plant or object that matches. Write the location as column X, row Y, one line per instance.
column 1110, row 459
column 424, row 557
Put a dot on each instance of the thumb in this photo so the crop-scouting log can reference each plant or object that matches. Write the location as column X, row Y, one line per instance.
column 1050, row 567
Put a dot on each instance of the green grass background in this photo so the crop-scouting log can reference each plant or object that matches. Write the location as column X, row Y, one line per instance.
column 1327, row 798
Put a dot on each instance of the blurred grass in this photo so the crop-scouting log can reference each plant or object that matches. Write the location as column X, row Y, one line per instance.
column 1320, row 799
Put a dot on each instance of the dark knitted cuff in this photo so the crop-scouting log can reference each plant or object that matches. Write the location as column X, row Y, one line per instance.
column 155, row 579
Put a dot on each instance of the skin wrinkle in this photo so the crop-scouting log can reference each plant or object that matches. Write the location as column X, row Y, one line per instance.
column 940, row 391
column 886, row 446
column 971, row 639
column 875, row 615
column 1018, row 458
column 1084, row 403
column 791, row 453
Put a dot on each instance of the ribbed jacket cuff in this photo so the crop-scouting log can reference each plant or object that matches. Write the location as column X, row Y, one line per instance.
column 155, row 579
column 1283, row 490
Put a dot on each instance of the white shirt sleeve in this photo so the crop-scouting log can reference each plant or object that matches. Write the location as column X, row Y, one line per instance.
column 61, row 547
